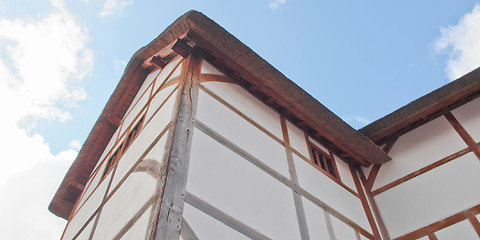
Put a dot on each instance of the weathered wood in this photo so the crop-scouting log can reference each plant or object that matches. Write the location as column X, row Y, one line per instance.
column 431, row 236
column 158, row 62
column 366, row 207
column 373, row 204
column 187, row 232
column 223, row 217
column 475, row 224
column 297, row 199
column 171, row 209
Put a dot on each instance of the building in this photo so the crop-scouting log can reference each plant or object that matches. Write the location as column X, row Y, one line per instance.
column 203, row 139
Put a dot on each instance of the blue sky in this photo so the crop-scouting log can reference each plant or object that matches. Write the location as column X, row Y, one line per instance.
column 61, row 59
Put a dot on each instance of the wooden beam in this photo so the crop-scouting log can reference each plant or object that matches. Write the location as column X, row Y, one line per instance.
column 158, row 62
column 182, row 48
column 463, row 133
column 366, row 207
column 171, row 209
column 475, row 224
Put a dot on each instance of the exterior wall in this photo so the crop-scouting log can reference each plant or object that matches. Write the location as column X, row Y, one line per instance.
column 250, row 175
column 119, row 205
column 430, row 185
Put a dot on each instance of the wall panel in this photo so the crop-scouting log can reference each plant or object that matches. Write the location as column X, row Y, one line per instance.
column 330, row 192
column 342, row 230
column 317, row 227
column 297, row 139
column 462, row 230
column 419, row 148
column 206, row 227
column 345, row 174
column 238, row 188
column 242, row 133
column 432, row 196
column 139, row 229
column 167, row 72
column 207, row 68
column 124, row 204
column 469, row 116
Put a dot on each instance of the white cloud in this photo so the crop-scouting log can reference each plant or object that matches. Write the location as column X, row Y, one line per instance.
column 357, row 122
column 112, row 6
column 75, row 144
column 275, row 4
column 462, row 44
column 42, row 61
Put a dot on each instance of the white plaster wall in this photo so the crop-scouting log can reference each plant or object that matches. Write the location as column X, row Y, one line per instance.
column 145, row 88
column 85, row 234
column 432, row 196
column 167, row 70
column 242, row 133
column 342, row 230
column 94, row 183
column 345, row 174
column 469, row 116
column 240, row 189
column 248, row 104
column 297, row 139
column 328, row 191
column 207, row 227
column 318, row 145
column 124, row 204
column 419, row 148
column 87, row 210
column 140, row 228
column 208, row 68
column 146, row 136
column 159, row 98
column 462, row 230
column 317, row 227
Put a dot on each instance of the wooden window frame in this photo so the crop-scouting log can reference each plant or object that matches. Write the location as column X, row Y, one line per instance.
column 323, row 161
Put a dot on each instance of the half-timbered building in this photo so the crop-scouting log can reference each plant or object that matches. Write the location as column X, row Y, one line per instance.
column 203, row 139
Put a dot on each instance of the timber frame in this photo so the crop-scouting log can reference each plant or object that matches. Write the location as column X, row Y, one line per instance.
column 191, row 31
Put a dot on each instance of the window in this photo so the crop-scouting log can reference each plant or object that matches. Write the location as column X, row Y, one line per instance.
column 123, row 147
column 323, row 160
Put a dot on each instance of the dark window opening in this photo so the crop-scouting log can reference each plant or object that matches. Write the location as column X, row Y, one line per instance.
column 323, row 160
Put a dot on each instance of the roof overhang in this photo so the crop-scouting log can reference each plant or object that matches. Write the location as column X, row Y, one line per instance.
column 195, row 30
column 424, row 109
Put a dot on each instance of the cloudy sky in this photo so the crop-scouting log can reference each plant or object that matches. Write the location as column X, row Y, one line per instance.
column 61, row 59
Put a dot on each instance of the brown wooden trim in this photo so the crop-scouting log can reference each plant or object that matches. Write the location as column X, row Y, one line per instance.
column 421, row 171
column 389, row 145
column 366, row 207
column 158, row 62
column 431, row 236
column 241, row 114
column 209, row 77
column 463, row 133
column 475, row 224
column 424, row 231
column 324, row 172
column 375, row 210
column 372, row 175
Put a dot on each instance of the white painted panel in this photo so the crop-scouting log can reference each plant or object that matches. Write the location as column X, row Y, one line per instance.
column 248, row 104
column 345, row 174
column 366, row 170
column 167, row 70
column 143, row 89
column 208, row 68
column 159, row 99
column 317, row 227
column 242, row 133
column 469, row 116
column 478, row 217
column 108, row 147
column 85, row 234
column 432, row 196
column 139, row 229
column 462, row 230
column 328, row 191
column 87, row 210
column 206, row 227
column 342, row 230
column 124, row 204
column 94, row 182
column 240, row 189
column 138, row 147
column 419, row 148
column 137, row 110
column 297, row 139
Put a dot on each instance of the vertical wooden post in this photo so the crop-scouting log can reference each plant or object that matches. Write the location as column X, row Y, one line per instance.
column 179, row 144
